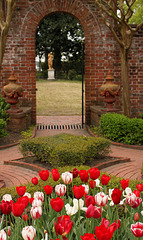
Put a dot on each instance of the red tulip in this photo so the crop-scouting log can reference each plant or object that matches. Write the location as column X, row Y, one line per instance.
column 94, row 173
column 89, row 200
column 136, row 217
column 105, row 179
column 116, row 195
column 21, row 190
column 103, row 232
column 124, row 183
column 55, row 174
column 34, row 180
column 78, row 191
column 93, row 211
column 25, row 217
column 137, row 193
column 75, row 172
column 88, row 236
column 137, row 229
column 57, row 204
column 83, row 174
column 44, row 175
column 48, row 189
column 137, row 202
column 63, row 225
column 130, row 199
column 92, row 184
column 6, row 207
column 23, row 200
column 36, row 212
column 18, row 209
column 8, row 232
column 140, row 187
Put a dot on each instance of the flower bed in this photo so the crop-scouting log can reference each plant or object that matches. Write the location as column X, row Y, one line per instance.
column 88, row 210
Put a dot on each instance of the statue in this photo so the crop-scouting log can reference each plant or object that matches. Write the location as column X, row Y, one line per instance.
column 50, row 60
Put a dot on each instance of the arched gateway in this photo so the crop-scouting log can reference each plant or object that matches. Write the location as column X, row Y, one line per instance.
column 101, row 51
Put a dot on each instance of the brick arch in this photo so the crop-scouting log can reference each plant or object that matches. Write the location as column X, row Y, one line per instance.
column 33, row 15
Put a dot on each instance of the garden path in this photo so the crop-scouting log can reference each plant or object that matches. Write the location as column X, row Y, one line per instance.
column 15, row 176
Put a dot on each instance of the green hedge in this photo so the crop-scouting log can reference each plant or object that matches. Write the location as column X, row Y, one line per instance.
column 3, row 116
column 66, row 149
column 120, row 128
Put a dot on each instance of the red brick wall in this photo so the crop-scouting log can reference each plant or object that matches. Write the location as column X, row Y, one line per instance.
column 101, row 52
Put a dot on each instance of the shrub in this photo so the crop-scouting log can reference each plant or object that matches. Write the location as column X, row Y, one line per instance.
column 3, row 116
column 120, row 128
column 71, row 74
column 66, row 149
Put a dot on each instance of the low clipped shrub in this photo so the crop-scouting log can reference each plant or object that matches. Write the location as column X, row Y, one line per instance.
column 3, row 116
column 66, row 149
column 120, row 128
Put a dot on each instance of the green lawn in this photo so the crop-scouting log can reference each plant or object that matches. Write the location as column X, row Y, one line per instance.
column 59, row 98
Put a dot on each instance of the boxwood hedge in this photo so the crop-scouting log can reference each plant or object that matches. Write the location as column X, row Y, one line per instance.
column 66, row 149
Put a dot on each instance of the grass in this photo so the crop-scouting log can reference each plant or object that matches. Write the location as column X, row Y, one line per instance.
column 59, row 98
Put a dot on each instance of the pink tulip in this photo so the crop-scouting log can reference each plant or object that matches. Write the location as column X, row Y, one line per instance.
column 67, row 177
column 39, row 196
column 137, row 229
column 130, row 199
column 36, row 212
column 60, row 190
column 101, row 199
column 2, row 235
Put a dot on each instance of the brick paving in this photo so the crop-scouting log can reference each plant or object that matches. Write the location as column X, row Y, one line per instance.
column 16, row 176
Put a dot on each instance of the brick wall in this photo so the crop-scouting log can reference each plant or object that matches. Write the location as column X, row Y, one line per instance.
column 101, row 52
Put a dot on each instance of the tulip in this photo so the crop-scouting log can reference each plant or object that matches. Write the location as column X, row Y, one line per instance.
column 103, row 231
column 105, row 179
column 67, row 177
column 94, row 173
column 60, row 190
column 101, row 199
column 63, row 225
column 89, row 200
column 25, row 217
column 130, row 199
column 93, row 211
column 21, row 190
column 36, row 212
column 88, row 236
column 18, row 209
column 28, row 233
column 57, row 204
column 55, row 174
column 2, row 235
column 74, row 172
column 137, row 229
column 7, row 198
column 137, row 202
column 36, row 202
column 39, row 196
column 124, row 183
column 137, row 193
column 77, row 204
column 34, row 180
column 27, row 194
column 44, row 175
column 83, row 174
column 78, row 191
column 140, row 187
column 86, row 189
column 6, row 207
column 48, row 189
column 8, row 232
column 23, row 200
column 92, row 184
column 116, row 195
column 136, row 217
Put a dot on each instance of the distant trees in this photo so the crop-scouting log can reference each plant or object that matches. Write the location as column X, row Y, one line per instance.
column 61, row 34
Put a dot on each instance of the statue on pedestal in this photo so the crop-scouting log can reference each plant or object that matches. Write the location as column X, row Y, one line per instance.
column 50, row 60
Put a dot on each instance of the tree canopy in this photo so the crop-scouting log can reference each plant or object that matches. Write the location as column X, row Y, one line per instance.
column 61, row 34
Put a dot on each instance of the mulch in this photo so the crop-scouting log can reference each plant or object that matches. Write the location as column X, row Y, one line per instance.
column 10, row 138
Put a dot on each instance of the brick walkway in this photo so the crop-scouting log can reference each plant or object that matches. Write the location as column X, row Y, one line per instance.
column 15, row 176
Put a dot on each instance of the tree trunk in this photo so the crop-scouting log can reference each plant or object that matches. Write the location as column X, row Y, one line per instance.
column 3, row 37
column 125, row 81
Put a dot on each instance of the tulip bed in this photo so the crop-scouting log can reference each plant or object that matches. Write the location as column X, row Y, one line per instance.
column 88, row 211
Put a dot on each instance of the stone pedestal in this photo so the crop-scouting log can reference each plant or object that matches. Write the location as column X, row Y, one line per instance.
column 97, row 111
column 20, row 121
column 51, row 74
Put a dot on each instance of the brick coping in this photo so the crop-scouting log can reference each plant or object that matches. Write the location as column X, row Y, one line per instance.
column 16, row 143
column 115, row 143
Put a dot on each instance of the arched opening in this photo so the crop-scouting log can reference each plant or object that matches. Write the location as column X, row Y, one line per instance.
column 61, row 34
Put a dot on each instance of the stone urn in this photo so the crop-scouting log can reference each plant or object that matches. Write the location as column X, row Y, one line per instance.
column 12, row 92
column 109, row 90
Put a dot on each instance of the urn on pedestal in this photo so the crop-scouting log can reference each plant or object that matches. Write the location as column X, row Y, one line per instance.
column 109, row 90
column 12, row 92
